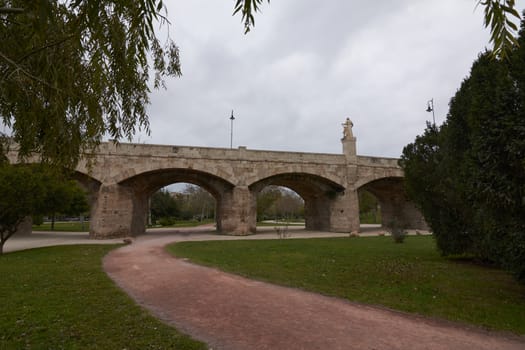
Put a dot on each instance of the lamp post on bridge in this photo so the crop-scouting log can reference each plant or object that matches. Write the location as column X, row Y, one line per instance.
column 232, row 118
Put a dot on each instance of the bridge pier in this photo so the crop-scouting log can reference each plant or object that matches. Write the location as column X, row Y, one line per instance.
column 344, row 212
column 112, row 212
column 333, row 212
column 317, row 213
column 238, row 213
column 399, row 209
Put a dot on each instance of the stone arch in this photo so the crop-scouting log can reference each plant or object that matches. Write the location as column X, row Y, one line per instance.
column 369, row 174
column 395, row 205
column 265, row 171
column 219, row 169
column 143, row 185
column 317, row 192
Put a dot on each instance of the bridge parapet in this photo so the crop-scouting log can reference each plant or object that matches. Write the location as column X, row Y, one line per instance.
column 378, row 162
column 193, row 152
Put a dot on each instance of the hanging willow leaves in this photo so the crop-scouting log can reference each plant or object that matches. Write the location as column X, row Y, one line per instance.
column 499, row 16
column 72, row 72
column 247, row 8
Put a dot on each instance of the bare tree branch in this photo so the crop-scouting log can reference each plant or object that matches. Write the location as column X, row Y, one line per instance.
column 9, row 10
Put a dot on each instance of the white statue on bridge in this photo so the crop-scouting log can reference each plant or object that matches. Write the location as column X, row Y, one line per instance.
column 347, row 129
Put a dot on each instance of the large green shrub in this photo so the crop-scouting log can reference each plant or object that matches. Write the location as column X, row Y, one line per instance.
column 468, row 177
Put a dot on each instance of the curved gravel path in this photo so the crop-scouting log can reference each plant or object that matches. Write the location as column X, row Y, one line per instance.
column 231, row 312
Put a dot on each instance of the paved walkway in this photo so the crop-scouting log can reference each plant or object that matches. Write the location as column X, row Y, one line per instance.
column 47, row 239
column 53, row 238
column 230, row 312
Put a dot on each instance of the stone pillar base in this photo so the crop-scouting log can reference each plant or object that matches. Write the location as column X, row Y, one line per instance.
column 112, row 216
column 344, row 212
column 239, row 212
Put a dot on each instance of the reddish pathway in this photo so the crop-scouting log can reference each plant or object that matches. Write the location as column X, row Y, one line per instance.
column 230, row 312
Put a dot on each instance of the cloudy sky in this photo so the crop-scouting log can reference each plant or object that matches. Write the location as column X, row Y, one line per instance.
column 309, row 64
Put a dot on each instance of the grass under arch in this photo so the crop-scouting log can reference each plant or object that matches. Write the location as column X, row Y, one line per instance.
column 60, row 298
column 411, row 277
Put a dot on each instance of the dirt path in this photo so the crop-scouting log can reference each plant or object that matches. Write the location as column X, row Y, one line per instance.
column 230, row 312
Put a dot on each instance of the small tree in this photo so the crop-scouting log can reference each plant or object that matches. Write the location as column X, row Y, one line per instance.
column 78, row 204
column 368, row 208
column 27, row 190
column 21, row 194
column 163, row 205
column 397, row 231
column 196, row 202
column 290, row 205
column 266, row 200
column 64, row 197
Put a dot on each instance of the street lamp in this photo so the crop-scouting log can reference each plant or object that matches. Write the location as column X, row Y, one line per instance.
column 430, row 108
column 232, row 118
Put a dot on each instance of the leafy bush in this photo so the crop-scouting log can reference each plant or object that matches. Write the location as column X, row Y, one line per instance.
column 38, row 220
column 166, row 221
column 282, row 231
column 397, row 231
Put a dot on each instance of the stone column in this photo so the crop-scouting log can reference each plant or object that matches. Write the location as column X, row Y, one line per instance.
column 112, row 213
column 400, row 209
column 317, row 212
column 139, row 219
column 344, row 212
column 349, row 149
column 238, row 212
column 345, row 206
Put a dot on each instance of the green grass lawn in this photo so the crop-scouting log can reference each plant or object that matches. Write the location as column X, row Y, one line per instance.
column 69, row 226
column 191, row 223
column 76, row 226
column 279, row 224
column 410, row 277
column 59, row 298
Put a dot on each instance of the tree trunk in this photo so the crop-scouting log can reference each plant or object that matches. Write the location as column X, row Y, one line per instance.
column 53, row 222
column 3, row 237
column 6, row 234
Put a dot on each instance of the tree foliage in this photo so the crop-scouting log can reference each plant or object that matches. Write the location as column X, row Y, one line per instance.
column 265, row 201
column 278, row 203
column 28, row 190
column 193, row 203
column 163, row 205
column 73, row 71
column 369, row 211
column 62, row 196
column 196, row 203
column 468, row 177
column 500, row 16
column 247, row 8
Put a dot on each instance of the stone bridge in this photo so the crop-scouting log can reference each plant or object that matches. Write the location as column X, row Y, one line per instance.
column 124, row 176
